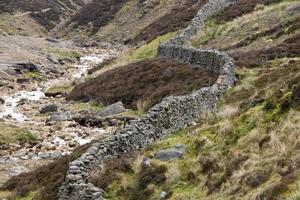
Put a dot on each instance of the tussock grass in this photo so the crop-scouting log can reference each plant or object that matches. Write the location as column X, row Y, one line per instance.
column 10, row 134
column 64, row 54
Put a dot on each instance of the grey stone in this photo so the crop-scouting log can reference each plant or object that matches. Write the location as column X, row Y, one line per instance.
column 163, row 195
column 172, row 153
column 43, row 155
column 92, row 189
column 55, row 155
column 112, row 109
column 146, row 161
column 49, row 108
column 59, row 117
column 21, row 153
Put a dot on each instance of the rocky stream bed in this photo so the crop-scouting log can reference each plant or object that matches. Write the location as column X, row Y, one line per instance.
column 50, row 118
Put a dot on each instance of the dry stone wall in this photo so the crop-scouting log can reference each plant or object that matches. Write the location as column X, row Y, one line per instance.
column 173, row 113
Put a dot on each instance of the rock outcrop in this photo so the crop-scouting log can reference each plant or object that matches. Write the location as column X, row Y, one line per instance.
column 173, row 113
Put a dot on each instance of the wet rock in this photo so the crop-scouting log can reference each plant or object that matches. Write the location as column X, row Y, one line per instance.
column 112, row 109
column 172, row 153
column 48, row 109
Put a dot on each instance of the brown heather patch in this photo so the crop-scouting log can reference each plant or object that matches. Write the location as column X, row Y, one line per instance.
column 241, row 8
column 143, row 83
column 46, row 179
column 99, row 13
column 254, row 58
column 46, row 12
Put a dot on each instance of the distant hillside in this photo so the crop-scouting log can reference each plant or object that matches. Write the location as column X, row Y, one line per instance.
column 47, row 13
column 129, row 21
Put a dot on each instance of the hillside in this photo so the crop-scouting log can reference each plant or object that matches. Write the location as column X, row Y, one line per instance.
column 130, row 21
column 17, row 16
column 244, row 143
column 249, row 148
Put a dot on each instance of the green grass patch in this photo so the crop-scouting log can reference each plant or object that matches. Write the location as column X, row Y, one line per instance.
column 211, row 31
column 32, row 75
column 12, row 134
column 149, row 50
column 64, row 54
column 60, row 89
column 79, row 106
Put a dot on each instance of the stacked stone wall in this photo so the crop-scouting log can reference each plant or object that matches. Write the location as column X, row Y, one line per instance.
column 171, row 114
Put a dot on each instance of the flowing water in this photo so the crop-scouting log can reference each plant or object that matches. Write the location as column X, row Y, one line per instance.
column 11, row 102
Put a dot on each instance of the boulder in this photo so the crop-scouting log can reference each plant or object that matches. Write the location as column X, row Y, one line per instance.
column 48, row 109
column 59, row 117
column 112, row 109
column 20, row 68
column 55, row 155
column 20, row 153
column 172, row 153
column 43, row 155
column 2, row 101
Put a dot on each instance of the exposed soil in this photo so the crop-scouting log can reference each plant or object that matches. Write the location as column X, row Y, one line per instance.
column 253, row 58
column 97, row 13
column 176, row 19
column 46, row 12
column 240, row 8
column 145, row 82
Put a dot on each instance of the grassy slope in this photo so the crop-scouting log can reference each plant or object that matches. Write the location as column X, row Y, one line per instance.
column 249, row 149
